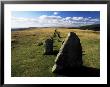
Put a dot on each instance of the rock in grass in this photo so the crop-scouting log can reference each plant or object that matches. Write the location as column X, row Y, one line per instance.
column 56, row 34
column 40, row 43
column 48, row 46
column 70, row 54
column 13, row 40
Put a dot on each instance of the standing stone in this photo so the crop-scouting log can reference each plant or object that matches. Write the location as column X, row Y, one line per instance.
column 56, row 34
column 48, row 46
column 70, row 54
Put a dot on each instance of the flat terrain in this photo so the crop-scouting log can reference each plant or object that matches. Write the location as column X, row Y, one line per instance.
column 27, row 51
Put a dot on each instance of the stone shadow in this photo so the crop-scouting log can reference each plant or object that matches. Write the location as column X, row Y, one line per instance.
column 79, row 72
column 55, row 52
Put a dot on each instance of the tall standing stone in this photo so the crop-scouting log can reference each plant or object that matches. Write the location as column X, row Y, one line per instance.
column 70, row 54
column 48, row 46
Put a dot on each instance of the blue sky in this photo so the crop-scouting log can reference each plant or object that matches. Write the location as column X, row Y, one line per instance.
column 21, row 19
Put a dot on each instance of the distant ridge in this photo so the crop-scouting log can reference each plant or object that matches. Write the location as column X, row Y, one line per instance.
column 17, row 29
column 95, row 27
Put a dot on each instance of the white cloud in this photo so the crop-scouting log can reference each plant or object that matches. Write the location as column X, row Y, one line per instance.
column 77, row 18
column 50, row 21
column 21, row 19
column 50, row 17
column 95, row 19
column 89, row 17
column 55, row 13
column 68, row 18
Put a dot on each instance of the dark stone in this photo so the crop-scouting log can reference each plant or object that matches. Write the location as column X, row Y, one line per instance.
column 13, row 41
column 56, row 34
column 48, row 46
column 40, row 43
column 70, row 54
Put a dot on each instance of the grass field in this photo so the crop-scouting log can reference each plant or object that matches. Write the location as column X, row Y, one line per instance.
column 27, row 51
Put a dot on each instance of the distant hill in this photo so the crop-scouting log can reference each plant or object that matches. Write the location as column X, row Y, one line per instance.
column 18, row 29
column 95, row 27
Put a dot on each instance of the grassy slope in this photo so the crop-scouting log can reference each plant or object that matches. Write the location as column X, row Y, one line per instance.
column 27, row 58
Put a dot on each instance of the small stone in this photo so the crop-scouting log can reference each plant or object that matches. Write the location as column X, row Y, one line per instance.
column 40, row 43
column 13, row 40
column 48, row 46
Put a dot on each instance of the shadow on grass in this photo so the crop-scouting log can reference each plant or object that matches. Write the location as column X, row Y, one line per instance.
column 55, row 52
column 79, row 72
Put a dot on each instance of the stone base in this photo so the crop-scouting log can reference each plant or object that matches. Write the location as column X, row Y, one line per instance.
column 49, row 53
column 59, row 69
column 56, row 68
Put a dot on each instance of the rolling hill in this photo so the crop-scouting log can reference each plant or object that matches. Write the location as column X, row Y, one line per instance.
column 95, row 27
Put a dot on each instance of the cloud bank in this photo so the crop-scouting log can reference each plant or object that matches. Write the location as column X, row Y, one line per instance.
column 53, row 21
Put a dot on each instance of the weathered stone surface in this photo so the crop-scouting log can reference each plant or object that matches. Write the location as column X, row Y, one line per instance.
column 70, row 54
column 48, row 46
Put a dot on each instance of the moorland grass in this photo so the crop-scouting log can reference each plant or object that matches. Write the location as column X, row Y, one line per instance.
column 27, row 57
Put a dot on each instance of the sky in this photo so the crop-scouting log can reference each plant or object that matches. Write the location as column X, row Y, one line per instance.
column 25, row 19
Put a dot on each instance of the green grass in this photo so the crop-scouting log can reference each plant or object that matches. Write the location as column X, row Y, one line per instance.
column 27, row 57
